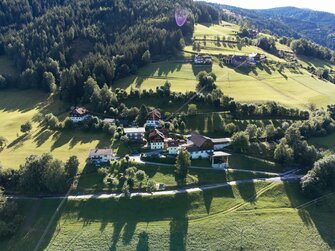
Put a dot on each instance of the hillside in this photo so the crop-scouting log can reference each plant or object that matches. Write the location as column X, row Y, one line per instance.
column 293, row 22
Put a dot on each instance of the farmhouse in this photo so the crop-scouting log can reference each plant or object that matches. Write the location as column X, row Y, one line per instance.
column 220, row 143
column 157, row 139
column 256, row 58
column 135, row 133
column 154, row 118
column 236, row 60
column 200, row 146
column 172, row 147
column 79, row 114
column 101, row 155
column 202, row 60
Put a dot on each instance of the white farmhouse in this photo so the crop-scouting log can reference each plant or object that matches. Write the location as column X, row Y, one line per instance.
column 101, row 155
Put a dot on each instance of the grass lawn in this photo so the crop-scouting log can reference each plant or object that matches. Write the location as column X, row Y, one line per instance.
column 208, row 220
column 327, row 142
column 18, row 107
column 243, row 162
column 265, row 83
column 95, row 183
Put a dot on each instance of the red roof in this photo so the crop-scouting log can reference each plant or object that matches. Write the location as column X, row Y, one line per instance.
column 155, row 114
column 79, row 111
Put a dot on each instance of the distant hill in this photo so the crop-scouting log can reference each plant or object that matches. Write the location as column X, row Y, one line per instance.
column 292, row 22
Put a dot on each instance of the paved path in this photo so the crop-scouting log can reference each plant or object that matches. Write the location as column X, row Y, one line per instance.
column 289, row 177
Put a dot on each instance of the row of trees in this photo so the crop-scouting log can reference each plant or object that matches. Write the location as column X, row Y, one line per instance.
column 43, row 174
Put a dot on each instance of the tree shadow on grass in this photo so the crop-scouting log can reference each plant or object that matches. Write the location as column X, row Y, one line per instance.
column 317, row 215
column 42, row 136
column 246, row 189
column 208, row 195
column 17, row 143
column 143, row 242
column 199, row 68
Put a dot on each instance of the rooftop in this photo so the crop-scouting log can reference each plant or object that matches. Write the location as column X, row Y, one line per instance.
column 221, row 154
column 134, row 130
column 100, row 152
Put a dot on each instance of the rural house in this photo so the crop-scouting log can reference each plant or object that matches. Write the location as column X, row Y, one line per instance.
column 135, row 133
column 101, row 155
column 79, row 114
column 202, row 60
column 154, row 118
column 157, row 139
column 172, row 147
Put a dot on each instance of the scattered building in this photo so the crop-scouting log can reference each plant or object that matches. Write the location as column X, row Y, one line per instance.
column 220, row 143
column 172, row 147
column 79, row 114
column 202, row 60
column 220, row 160
column 135, row 133
column 154, row 118
column 257, row 58
column 157, row 139
column 236, row 61
column 108, row 121
column 200, row 146
column 101, row 155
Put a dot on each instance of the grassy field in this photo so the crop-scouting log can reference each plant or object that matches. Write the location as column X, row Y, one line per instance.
column 293, row 89
column 18, row 107
column 232, row 218
column 265, row 83
column 327, row 142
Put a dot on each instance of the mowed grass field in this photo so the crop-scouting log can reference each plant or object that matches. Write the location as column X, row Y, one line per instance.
column 293, row 89
column 265, row 83
column 254, row 216
column 18, row 107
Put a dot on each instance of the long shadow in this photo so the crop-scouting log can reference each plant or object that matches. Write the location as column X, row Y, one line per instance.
column 247, row 190
column 19, row 141
column 143, row 242
column 179, row 226
column 198, row 68
column 208, row 196
column 317, row 215
column 42, row 136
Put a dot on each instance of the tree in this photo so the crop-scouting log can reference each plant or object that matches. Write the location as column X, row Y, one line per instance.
column 251, row 130
column 206, row 81
column 266, row 43
column 3, row 142
column 240, row 142
column 10, row 220
column 192, row 109
column 142, row 115
column 51, row 121
column 283, row 152
column 49, row 82
column 183, row 163
column 146, row 57
column 151, row 186
column 71, row 167
column 320, row 178
column 140, row 176
column 26, row 127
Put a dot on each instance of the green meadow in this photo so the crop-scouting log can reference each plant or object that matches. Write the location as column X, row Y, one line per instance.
column 253, row 216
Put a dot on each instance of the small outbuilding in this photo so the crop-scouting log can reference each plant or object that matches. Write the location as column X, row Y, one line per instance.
column 220, row 160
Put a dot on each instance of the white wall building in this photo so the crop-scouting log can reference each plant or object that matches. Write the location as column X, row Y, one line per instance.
column 101, row 155
column 135, row 133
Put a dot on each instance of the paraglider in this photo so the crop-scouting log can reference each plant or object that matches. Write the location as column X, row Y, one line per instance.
column 181, row 16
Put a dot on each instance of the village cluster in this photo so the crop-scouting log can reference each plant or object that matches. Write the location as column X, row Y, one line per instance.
column 157, row 140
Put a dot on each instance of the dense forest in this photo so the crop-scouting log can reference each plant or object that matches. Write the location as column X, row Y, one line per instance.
column 61, row 43
column 291, row 22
